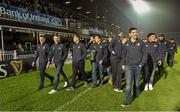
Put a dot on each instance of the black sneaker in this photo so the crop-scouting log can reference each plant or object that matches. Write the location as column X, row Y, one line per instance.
column 40, row 88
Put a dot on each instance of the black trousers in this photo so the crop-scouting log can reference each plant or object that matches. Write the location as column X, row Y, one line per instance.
column 149, row 72
column 116, row 72
column 78, row 66
column 170, row 59
column 43, row 74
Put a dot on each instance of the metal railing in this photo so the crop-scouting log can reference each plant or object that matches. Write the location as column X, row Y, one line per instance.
column 9, row 55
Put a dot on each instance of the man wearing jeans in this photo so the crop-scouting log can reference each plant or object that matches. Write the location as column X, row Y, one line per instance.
column 100, row 57
column 134, row 57
column 58, row 53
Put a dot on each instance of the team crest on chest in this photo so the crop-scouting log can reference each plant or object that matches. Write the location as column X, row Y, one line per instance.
column 59, row 47
column 79, row 46
column 138, row 44
column 100, row 46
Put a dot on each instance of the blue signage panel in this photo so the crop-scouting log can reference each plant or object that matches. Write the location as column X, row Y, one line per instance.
column 27, row 16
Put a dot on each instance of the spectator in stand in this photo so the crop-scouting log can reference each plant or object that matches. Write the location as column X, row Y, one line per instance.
column 14, row 46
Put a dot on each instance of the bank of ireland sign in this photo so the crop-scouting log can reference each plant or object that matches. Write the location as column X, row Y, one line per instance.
column 23, row 15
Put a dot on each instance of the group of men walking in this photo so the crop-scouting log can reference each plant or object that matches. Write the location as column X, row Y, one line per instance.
column 128, row 56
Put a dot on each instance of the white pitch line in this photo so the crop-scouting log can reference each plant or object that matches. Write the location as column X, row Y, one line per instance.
column 74, row 99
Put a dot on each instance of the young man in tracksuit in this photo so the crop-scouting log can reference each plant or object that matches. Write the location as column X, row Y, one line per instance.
column 109, row 69
column 42, row 53
column 91, row 41
column 58, row 53
column 172, row 49
column 163, row 47
column 115, row 48
column 78, row 57
column 153, row 59
column 91, row 46
column 134, row 57
column 100, row 57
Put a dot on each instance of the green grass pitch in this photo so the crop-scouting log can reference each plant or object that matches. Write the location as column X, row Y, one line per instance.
column 19, row 93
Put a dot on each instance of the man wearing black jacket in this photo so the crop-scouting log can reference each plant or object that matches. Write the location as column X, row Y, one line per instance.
column 172, row 49
column 163, row 47
column 100, row 58
column 59, row 54
column 42, row 53
column 153, row 59
column 78, row 57
column 134, row 57
column 115, row 48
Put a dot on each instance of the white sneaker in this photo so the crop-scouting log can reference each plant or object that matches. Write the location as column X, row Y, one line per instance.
column 52, row 91
column 118, row 90
column 65, row 84
column 157, row 69
column 150, row 87
column 146, row 87
column 123, row 105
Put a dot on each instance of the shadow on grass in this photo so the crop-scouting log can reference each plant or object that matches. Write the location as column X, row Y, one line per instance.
column 177, row 108
column 89, row 78
column 161, row 72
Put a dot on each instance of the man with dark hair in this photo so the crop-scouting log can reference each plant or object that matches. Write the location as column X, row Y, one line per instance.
column 115, row 48
column 42, row 53
column 78, row 57
column 100, row 57
column 134, row 57
column 133, row 29
column 58, row 53
column 172, row 49
column 109, row 69
column 163, row 47
column 91, row 41
column 91, row 46
column 153, row 58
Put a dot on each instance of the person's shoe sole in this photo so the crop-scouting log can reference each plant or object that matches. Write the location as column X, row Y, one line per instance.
column 122, row 105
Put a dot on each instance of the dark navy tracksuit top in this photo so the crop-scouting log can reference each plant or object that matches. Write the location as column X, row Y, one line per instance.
column 58, row 52
column 79, row 52
column 153, row 53
column 115, row 48
column 172, row 48
column 42, row 52
column 134, row 54
column 163, row 46
column 101, row 52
